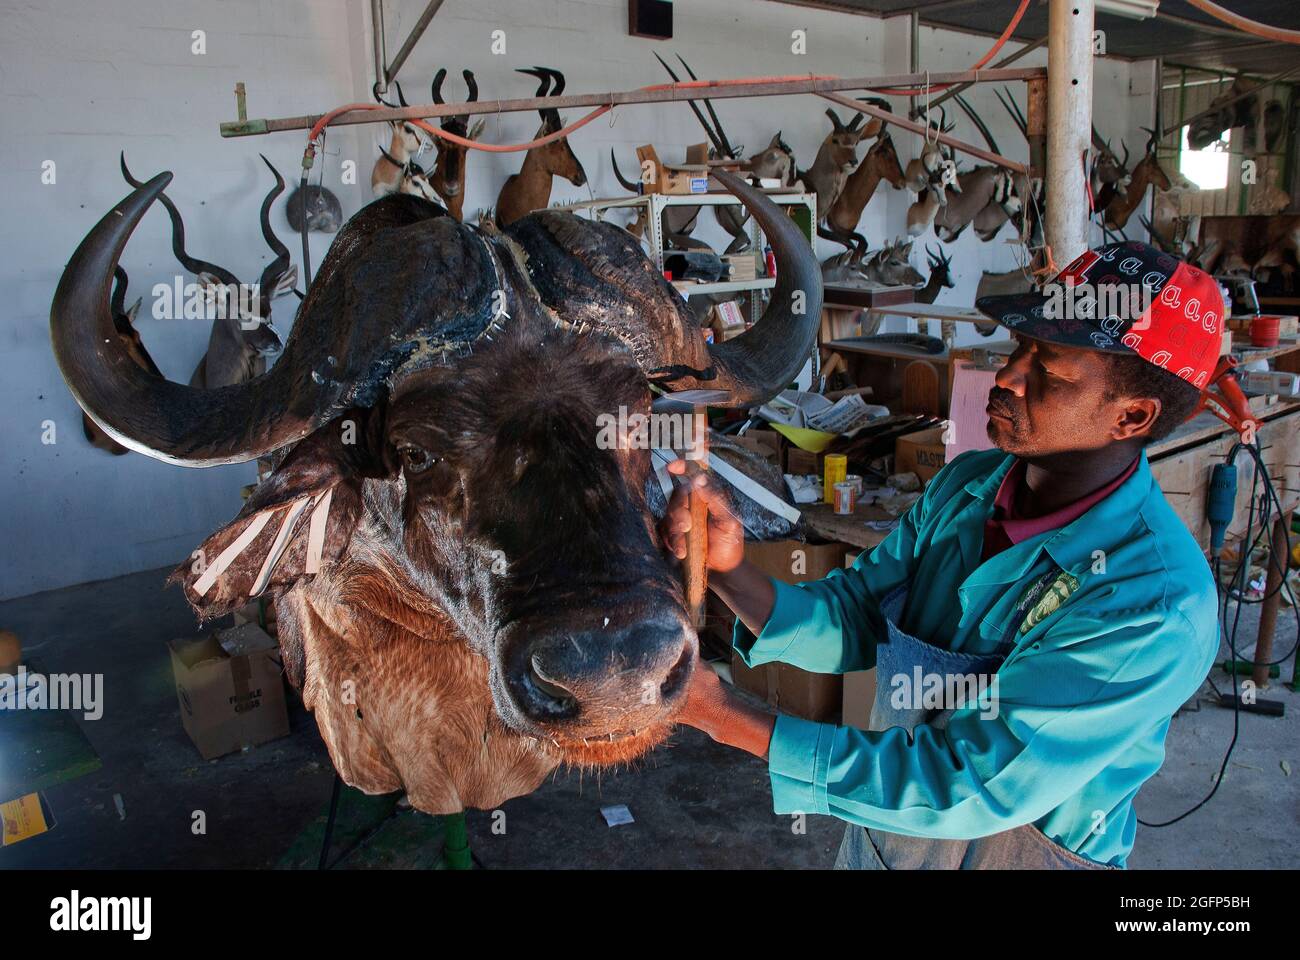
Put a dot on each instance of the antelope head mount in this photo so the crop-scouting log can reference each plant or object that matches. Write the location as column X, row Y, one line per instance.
column 940, row 276
column 880, row 163
column 448, row 178
column 530, row 188
column 406, row 143
column 1147, row 173
column 242, row 338
column 835, row 160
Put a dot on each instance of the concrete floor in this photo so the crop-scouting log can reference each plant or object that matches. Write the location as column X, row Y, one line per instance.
column 695, row 803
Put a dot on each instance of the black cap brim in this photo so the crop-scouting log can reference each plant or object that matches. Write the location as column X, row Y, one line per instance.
column 1026, row 314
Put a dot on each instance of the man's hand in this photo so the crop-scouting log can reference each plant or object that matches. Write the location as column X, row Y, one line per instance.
column 726, row 535
column 711, row 707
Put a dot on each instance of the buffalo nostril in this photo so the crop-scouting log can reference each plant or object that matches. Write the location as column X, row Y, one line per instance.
column 678, row 675
column 548, row 685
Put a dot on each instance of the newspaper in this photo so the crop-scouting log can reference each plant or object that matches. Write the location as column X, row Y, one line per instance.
column 812, row 411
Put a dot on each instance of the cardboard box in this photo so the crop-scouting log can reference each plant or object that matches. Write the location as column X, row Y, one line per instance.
column 812, row 696
column 859, row 696
column 803, row 462
column 744, row 266
column 921, row 453
column 768, row 444
column 691, row 177
column 231, row 689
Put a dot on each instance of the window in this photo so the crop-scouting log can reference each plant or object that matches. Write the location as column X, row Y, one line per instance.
column 1207, row 168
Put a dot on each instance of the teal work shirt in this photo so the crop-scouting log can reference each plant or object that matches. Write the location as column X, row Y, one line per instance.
column 1084, row 697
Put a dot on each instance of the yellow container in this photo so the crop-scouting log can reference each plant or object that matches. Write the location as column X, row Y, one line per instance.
column 835, row 468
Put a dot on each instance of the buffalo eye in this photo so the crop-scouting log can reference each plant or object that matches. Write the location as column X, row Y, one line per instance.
column 415, row 459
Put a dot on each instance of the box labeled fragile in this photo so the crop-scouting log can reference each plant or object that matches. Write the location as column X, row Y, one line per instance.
column 231, row 689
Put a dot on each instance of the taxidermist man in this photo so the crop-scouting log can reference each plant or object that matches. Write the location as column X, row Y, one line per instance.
column 1050, row 570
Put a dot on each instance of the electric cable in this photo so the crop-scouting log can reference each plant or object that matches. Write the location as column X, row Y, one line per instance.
column 1242, row 569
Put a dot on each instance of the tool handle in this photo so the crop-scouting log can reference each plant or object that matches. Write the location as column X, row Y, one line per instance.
column 697, row 557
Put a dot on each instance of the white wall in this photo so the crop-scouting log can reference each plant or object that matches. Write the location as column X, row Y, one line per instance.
column 83, row 79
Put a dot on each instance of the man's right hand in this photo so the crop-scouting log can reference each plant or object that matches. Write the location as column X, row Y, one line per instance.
column 726, row 535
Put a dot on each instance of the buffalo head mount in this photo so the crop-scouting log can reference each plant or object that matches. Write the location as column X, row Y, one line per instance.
column 469, row 588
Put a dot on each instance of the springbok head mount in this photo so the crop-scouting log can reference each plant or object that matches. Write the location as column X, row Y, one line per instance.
column 408, row 139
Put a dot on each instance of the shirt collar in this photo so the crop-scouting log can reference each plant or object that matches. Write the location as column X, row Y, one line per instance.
column 1074, row 546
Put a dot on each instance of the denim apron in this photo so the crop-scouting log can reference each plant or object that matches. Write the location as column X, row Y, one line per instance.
column 1023, row 847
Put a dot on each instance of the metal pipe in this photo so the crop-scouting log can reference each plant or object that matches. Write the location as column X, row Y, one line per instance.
column 381, row 50
column 914, row 61
column 667, row 94
column 417, row 32
column 1069, row 126
column 920, row 130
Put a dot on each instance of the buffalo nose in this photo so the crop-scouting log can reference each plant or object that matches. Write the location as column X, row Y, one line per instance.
column 602, row 678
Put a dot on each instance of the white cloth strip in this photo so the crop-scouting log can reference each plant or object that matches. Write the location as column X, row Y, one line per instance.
column 749, row 487
column 754, row 490
column 662, row 474
column 316, row 534
column 277, row 548
column 228, row 555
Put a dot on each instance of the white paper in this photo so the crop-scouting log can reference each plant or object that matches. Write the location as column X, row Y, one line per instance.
column 616, row 815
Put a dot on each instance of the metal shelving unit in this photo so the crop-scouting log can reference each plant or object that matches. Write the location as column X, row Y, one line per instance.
column 652, row 205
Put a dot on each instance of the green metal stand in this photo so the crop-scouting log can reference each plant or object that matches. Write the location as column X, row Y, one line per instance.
column 455, row 843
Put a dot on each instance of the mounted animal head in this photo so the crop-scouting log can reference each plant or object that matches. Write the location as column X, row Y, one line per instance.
column 883, row 158
column 773, row 162
column 406, row 143
column 448, row 179
column 242, row 338
column 892, row 266
column 1147, row 173
column 1209, row 128
column 880, row 163
column 845, row 268
column 454, row 525
column 932, row 172
column 840, row 148
column 557, row 157
column 940, row 269
column 407, row 140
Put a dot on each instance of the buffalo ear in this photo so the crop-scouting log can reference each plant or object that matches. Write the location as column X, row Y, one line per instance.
column 297, row 521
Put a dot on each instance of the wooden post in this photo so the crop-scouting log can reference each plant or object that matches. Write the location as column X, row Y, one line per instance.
column 1273, row 591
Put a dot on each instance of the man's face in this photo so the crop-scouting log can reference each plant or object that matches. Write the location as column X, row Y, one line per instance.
column 1051, row 399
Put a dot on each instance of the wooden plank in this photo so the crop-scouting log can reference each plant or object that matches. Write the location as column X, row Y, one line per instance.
column 1184, row 475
